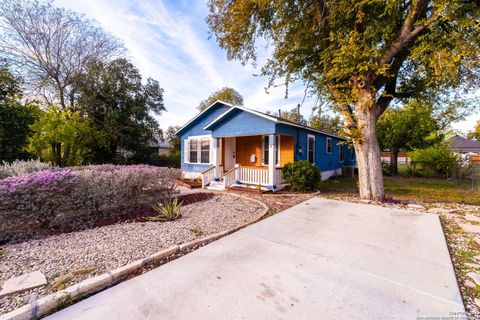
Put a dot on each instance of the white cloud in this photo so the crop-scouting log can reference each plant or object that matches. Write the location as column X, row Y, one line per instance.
column 169, row 42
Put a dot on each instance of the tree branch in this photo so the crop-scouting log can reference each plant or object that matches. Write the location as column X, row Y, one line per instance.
column 409, row 31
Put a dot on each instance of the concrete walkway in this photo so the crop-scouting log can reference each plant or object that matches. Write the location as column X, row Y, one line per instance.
column 322, row 259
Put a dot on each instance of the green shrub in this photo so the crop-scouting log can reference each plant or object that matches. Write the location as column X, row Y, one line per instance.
column 301, row 175
column 437, row 159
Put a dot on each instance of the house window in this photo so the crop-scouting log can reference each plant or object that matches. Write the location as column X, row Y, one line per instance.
column 199, row 150
column 311, row 149
column 340, row 153
column 193, row 151
column 329, row 145
column 205, row 153
column 352, row 154
column 265, row 151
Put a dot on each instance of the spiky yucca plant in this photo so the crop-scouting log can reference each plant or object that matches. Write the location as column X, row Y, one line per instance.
column 169, row 210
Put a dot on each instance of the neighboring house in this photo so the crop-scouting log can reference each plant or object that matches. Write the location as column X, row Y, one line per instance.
column 462, row 146
column 402, row 158
column 231, row 145
column 159, row 147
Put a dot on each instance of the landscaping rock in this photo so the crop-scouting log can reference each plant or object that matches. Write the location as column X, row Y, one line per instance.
column 470, row 228
column 471, row 217
column 470, row 284
column 475, row 277
column 69, row 258
column 24, row 282
column 477, row 302
column 415, row 206
column 439, row 211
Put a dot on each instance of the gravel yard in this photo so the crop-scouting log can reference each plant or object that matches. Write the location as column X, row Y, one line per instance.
column 69, row 258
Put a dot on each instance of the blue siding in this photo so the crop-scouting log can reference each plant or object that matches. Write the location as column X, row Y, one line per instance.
column 241, row 123
column 323, row 160
column 196, row 129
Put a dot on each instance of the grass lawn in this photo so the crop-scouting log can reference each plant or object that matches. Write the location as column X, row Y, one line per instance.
column 408, row 189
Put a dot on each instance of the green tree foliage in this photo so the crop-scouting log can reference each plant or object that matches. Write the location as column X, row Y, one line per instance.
column 294, row 116
column 407, row 128
column 15, row 118
column 436, row 159
column 121, row 110
column 360, row 55
column 475, row 133
column 174, row 140
column 224, row 94
column 326, row 123
column 61, row 136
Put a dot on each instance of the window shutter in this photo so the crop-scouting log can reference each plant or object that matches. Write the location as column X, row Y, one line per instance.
column 212, row 151
column 186, row 151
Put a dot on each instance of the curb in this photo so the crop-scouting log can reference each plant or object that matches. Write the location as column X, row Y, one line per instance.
column 68, row 296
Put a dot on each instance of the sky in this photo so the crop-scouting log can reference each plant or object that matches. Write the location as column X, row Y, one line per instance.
column 170, row 42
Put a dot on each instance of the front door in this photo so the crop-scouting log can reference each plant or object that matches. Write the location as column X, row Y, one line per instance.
column 229, row 156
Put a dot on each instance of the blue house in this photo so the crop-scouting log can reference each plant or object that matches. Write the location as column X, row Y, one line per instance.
column 230, row 145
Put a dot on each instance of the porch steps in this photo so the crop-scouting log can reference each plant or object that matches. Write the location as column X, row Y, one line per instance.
column 216, row 185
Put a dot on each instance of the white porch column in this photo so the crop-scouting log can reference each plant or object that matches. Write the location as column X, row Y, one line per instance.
column 216, row 155
column 272, row 159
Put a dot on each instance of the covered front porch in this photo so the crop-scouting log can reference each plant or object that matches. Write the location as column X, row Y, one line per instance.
column 253, row 161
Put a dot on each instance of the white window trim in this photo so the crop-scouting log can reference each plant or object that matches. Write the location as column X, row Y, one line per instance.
column 341, row 152
column 331, row 146
column 314, row 146
column 199, row 151
column 278, row 150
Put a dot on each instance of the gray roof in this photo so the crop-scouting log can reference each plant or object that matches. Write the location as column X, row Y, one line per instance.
column 458, row 142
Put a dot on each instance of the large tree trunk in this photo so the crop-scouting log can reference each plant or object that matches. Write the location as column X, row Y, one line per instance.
column 394, row 162
column 368, row 157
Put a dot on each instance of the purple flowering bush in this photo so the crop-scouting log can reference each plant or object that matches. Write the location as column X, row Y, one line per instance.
column 21, row 167
column 52, row 198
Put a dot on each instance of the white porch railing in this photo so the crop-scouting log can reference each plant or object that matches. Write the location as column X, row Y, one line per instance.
column 257, row 176
column 230, row 177
column 207, row 176
column 246, row 175
column 278, row 179
column 211, row 174
column 218, row 172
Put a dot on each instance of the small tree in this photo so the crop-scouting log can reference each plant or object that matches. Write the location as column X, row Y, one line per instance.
column 294, row 116
column 407, row 128
column 57, row 128
column 225, row 94
column 15, row 118
column 327, row 123
column 475, row 133
column 173, row 140
column 438, row 158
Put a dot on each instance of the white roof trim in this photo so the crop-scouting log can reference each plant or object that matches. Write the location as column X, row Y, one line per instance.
column 274, row 119
column 198, row 115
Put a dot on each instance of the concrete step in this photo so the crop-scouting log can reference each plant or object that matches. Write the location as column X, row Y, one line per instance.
column 217, row 187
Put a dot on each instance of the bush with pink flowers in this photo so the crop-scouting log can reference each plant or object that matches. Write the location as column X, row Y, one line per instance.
column 51, row 198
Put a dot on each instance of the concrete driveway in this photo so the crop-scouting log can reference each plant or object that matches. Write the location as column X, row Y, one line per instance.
column 322, row 259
